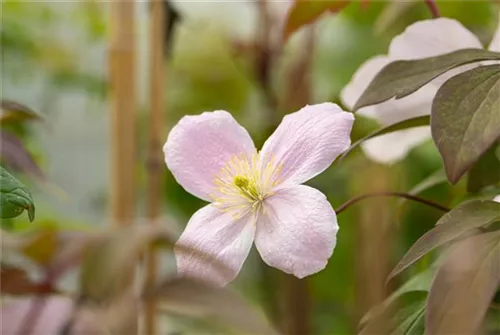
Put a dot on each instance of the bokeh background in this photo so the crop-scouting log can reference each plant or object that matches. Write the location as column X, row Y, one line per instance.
column 55, row 60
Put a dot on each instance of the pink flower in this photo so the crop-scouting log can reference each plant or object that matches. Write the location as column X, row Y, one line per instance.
column 422, row 39
column 258, row 196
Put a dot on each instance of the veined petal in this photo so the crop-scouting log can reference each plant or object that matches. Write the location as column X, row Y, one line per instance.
column 219, row 235
column 431, row 38
column 495, row 42
column 360, row 81
column 199, row 146
column 297, row 231
column 393, row 147
column 308, row 141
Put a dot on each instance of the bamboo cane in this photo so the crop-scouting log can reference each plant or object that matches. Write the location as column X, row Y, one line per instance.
column 155, row 132
column 122, row 100
column 122, row 115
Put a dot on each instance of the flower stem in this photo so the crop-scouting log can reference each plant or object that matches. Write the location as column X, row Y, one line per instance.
column 353, row 201
column 433, row 8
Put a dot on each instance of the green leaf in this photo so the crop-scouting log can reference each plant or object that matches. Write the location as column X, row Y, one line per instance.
column 463, row 218
column 486, row 171
column 194, row 299
column 409, row 123
column 404, row 315
column 464, row 286
column 466, row 118
column 14, row 197
column 437, row 178
column 13, row 111
column 401, row 78
column 418, row 283
column 305, row 12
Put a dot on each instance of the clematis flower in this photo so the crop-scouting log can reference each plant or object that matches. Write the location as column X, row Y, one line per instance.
column 257, row 196
column 420, row 40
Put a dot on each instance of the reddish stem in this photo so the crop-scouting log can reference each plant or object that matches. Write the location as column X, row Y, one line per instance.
column 433, row 8
column 429, row 203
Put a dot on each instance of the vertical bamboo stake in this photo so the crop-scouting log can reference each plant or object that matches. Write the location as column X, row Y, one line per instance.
column 375, row 238
column 155, row 158
column 122, row 100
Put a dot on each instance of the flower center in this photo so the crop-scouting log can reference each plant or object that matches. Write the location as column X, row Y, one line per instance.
column 244, row 183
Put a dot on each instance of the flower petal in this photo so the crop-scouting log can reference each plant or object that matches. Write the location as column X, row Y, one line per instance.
column 220, row 236
column 297, row 232
column 495, row 42
column 199, row 146
column 308, row 141
column 393, row 147
column 431, row 38
column 361, row 79
column 497, row 198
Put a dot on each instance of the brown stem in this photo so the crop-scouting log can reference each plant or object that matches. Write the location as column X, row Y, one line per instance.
column 155, row 133
column 433, row 8
column 28, row 325
column 415, row 198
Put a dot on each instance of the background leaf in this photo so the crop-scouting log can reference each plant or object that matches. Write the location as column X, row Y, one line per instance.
column 404, row 315
column 14, row 197
column 464, row 286
column 13, row 111
column 466, row 118
column 193, row 298
column 486, row 171
column 305, row 12
column 15, row 154
column 409, row 123
column 463, row 218
column 402, row 78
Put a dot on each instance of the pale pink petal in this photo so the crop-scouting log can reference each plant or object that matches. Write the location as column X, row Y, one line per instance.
column 396, row 110
column 199, row 146
column 431, row 38
column 495, row 42
column 360, row 81
column 55, row 311
column 497, row 198
column 308, row 141
column 297, row 232
column 219, row 235
column 393, row 147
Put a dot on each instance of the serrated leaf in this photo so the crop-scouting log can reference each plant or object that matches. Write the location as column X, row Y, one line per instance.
column 465, row 118
column 304, row 12
column 404, row 316
column 485, row 172
column 401, row 78
column 464, row 286
column 11, row 111
column 463, row 218
column 195, row 299
column 14, row 197
column 409, row 123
